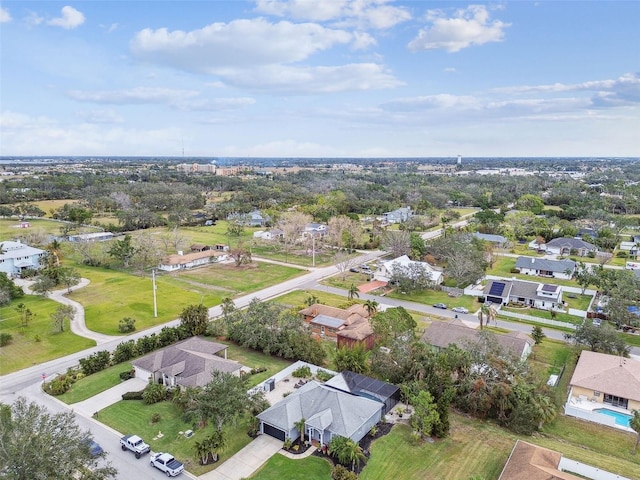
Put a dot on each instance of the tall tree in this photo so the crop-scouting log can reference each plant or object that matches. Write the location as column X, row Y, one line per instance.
column 38, row 445
column 425, row 415
column 353, row 292
column 123, row 250
column 195, row 319
column 62, row 315
column 635, row 424
column 397, row 242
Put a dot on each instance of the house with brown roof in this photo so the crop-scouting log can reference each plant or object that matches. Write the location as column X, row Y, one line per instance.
column 189, row 363
column 602, row 384
column 530, row 462
column 455, row 332
column 346, row 327
column 183, row 261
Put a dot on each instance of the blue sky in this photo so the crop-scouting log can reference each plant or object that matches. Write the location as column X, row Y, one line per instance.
column 330, row 78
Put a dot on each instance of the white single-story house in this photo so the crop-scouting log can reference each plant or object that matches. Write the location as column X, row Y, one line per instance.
column 631, row 248
column 181, row 261
column 272, row 234
column 189, row 363
column 252, row 219
column 455, row 332
column 16, row 257
column 565, row 245
column 497, row 240
column 91, row 237
column 318, row 229
column 544, row 296
column 545, row 267
column 399, row 215
column 384, row 271
column 327, row 412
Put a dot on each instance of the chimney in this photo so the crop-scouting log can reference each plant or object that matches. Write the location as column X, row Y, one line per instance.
column 180, row 252
column 533, row 260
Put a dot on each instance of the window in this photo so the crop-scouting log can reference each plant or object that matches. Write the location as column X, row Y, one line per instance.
column 616, row 401
column 322, row 330
column 596, row 394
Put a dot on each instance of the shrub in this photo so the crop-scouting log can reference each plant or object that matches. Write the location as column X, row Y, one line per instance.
column 622, row 254
column 132, row 395
column 515, row 270
column 96, row 362
column 127, row 375
column 156, row 417
column 324, row 376
column 147, row 344
column 60, row 385
column 302, row 372
column 167, row 336
column 253, row 371
column 341, row 473
column 288, row 443
column 154, row 393
column 126, row 325
column 124, row 351
column 5, row 339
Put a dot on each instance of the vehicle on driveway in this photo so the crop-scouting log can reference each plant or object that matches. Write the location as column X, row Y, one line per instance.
column 460, row 310
column 165, row 462
column 94, row 447
column 443, row 306
column 135, row 444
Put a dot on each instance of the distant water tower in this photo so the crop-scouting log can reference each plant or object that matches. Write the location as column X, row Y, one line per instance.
column 459, row 159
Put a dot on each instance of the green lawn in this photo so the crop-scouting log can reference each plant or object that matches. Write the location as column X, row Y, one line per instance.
column 93, row 384
column 430, row 297
column 254, row 359
column 133, row 416
column 536, row 312
column 35, row 343
column 280, row 467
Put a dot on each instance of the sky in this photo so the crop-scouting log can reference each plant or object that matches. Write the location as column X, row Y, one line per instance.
column 311, row 78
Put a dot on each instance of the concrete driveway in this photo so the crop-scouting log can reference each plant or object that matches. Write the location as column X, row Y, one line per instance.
column 244, row 463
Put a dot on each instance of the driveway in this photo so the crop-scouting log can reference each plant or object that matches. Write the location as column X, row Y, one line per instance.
column 244, row 463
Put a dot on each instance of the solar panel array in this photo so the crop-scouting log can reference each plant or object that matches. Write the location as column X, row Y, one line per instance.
column 497, row 289
column 549, row 288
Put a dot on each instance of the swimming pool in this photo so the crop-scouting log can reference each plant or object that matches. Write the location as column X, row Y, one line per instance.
column 621, row 418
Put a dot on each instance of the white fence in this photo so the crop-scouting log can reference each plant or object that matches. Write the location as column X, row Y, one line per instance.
column 590, row 416
column 530, row 318
column 587, row 471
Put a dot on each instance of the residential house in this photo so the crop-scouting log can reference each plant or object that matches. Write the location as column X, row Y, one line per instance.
column 199, row 247
column 538, row 243
column 384, row 272
column 455, row 332
column 314, row 229
column 362, row 386
column 269, row 235
column 189, row 363
column 252, row 219
column 531, row 462
column 327, row 412
column 631, row 248
column 496, row 240
column 538, row 295
column 567, row 245
column 184, row 261
column 91, row 237
column 347, row 327
column 399, row 215
column 16, row 257
column 602, row 380
column 545, row 267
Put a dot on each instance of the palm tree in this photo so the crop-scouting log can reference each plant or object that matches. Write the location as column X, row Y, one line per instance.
column 353, row 292
column 635, row 424
column 216, row 443
column 546, row 409
column 371, row 306
column 352, row 452
column 300, row 426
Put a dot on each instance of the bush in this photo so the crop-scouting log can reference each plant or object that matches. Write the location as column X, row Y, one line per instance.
column 622, row 254
column 96, row 362
column 254, row 371
column 147, row 344
column 126, row 325
column 61, row 384
column 156, row 417
column 124, row 351
column 5, row 339
column 167, row 336
column 341, row 473
column 127, row 375
column 302, row 372
column 154, row 393
column 515, row 270
column 132, row 395
column 324, row 376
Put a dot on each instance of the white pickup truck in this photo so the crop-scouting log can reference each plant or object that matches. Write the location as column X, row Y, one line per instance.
column 167, row 464
column 135, row 444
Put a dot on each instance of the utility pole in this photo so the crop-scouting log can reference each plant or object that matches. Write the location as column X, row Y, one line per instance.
column 313, row 249
column 155, row 303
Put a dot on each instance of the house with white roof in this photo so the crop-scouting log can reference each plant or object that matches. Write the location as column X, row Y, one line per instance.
column 16, row 257
column 384, row 272
column 545, row 267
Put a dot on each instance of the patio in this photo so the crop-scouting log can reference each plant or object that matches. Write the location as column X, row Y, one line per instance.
column 586, row 409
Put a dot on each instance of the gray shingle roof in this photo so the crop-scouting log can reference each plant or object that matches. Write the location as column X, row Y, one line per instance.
column 339, row 412
column 547, row 264
column 568, row 242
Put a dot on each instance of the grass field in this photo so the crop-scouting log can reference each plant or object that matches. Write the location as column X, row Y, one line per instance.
column 133, row 416
column 96, row 383
column 280, row 467
column 35, row 343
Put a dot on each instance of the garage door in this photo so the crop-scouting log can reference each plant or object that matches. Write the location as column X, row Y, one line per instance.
column 273, row 431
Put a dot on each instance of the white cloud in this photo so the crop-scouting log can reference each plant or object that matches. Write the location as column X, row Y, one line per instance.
column 450, row 70
column 33, row 19
column 312, row 80
column 442, row 101
column 106, row 116
column 282, row 148
column 216, row 104
column 361, row 13
column 467, row 27
column 71, row 18
column 139, row 95
column 362, row 41
column 242, row 42
column 5, row 16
